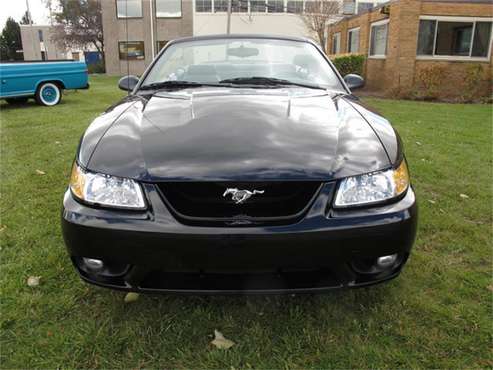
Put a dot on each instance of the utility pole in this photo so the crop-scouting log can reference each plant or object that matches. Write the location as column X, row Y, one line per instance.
column 31, row 28
column 153, row 53
column 228, row 27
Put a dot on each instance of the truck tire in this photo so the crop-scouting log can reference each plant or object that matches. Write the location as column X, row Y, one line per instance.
column 48, row 94
column 14, row 101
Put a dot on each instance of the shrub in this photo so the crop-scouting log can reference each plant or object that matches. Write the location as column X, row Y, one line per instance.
column 473, row 82
column 429, row 79
column 350, row 63
column 96, row 67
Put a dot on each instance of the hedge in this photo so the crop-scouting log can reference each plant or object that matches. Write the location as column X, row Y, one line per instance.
column 350, row 63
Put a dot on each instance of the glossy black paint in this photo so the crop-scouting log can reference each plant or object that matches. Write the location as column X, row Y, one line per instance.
column 354, row 81
column 128, row 83
column 238, row 135
column 154, row 240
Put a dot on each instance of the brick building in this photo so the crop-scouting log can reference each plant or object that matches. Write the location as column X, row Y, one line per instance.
column 405, row 39
column 135, row 31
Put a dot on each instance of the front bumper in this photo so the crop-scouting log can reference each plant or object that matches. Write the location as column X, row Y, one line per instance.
column 152, row 252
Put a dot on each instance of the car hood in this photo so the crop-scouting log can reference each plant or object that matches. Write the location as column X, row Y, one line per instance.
column 239, row 134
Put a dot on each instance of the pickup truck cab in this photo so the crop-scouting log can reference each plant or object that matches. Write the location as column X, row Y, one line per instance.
column 42, row 80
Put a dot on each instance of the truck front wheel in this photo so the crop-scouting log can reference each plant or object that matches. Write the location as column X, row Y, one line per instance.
column 49, row 94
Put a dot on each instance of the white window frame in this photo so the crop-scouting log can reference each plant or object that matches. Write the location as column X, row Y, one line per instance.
column 334, row 36
column 126, row 15
column 195, row 12
column 469, row 58
column 354, row 29
column 374, row 24
column 168, row 16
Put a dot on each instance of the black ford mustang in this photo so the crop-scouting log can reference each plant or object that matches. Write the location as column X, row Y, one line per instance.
column 239, row 164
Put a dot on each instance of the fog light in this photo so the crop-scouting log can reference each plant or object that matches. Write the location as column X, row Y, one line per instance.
column 93, row 263
column 386, row 261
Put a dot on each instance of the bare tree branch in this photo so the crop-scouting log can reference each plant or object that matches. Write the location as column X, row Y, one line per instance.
column 78, row 23
column 318, row 15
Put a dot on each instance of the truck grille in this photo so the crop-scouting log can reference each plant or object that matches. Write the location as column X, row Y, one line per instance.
column 280, row 202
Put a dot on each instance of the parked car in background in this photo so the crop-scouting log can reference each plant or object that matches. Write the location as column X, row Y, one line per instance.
column 44, row 81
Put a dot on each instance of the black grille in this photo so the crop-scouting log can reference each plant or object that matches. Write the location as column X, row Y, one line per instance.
column 205, row 200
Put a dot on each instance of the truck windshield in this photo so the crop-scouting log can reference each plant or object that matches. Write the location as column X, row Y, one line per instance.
column 239, row 59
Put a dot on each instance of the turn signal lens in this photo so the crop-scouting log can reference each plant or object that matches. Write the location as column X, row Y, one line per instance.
column 372, row 188
column 105, row 190
column 401, row 178
column 77, row 181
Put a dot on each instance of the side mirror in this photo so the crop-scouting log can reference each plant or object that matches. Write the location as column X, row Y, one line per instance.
column 127, row 83
column 354, row 81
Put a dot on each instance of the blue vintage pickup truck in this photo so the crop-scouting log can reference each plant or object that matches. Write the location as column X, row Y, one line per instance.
column 44, row 81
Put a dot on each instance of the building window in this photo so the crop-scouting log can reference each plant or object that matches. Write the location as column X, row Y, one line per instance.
column 258, row 6
column 458, row 38
column 294, row 6
column 379, row 38
column 330, row 7
column 160, row 45
column 364, row 6
column 131, row 50
column 275, row 6
column 220, row 6
column 203, row 6
column 353, row 40
column 168, row 8
column 336, row 43
column 129, row 8
column 238, row 6
column 312, row 6
column 40, row 35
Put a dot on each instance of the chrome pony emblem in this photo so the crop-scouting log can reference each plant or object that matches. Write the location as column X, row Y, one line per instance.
column 239, row 196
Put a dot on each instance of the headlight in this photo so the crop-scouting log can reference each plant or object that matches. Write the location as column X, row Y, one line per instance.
column 105, row 190
column 372, row 188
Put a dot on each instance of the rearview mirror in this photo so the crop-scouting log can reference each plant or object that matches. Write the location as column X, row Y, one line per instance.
column 242, row 52
column 128, row 83
column 354, row 81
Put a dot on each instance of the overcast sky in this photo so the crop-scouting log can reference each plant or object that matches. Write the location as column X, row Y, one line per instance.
column 16, row 9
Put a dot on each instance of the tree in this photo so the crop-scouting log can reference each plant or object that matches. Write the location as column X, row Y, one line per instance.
column 78, row 23
column 318, row 16
column 10, row 41
column 26, row 18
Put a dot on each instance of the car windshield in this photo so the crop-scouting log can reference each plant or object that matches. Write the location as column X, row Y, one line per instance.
column 244, row 60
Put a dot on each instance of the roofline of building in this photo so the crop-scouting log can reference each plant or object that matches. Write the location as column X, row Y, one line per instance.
column 366, row 11
column 460, row 1
column 381, row 5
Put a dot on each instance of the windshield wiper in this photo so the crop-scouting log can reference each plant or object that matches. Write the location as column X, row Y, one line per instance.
column 269, row 81
column 172, row 84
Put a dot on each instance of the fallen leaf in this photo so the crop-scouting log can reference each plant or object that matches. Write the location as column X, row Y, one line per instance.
column 490, row 287
column 39, row 172
column 33, row 281
column 57, row 142
column 131, row 297
column 418, row 143
column 221, row 342
column 464, row 196
column 431, row 201
column 2, row 228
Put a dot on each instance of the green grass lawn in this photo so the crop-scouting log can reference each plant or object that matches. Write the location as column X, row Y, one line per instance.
column 436, row 314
